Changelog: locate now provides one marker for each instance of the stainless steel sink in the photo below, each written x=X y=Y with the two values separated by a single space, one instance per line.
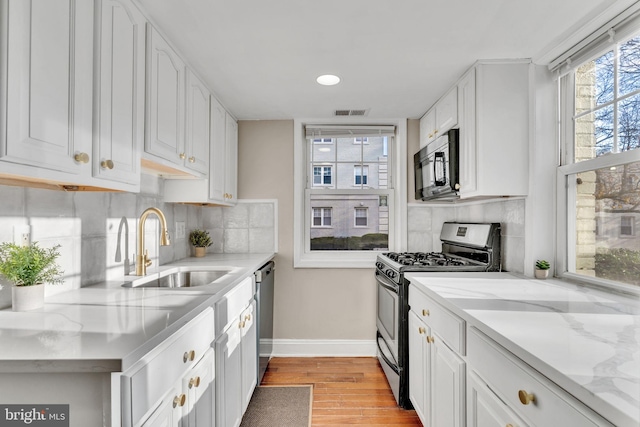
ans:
x=182 y=279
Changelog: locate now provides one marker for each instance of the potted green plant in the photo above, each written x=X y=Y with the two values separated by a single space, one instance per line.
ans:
x=200 y=240
x=542 y=269
x=28 y=268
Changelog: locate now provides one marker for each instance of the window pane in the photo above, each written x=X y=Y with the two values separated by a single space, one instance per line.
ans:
x=609 y=199
x=629 y=74
x=629 y=123
x=594 y=134
x=344 y=235
x=594 y=82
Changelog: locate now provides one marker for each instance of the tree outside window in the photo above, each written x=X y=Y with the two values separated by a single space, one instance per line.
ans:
x=607 y=200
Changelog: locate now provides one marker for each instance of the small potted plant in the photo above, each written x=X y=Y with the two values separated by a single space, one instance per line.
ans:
x=200 y=240
x=28 y=268
x=542 y=269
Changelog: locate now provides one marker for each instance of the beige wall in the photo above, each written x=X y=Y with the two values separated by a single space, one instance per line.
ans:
x=309 y=303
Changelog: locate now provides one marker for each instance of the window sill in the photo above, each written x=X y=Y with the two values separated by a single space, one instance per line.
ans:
x=337 y=259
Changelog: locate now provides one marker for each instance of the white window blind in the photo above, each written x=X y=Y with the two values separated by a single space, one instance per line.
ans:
x=348 y=131
x=619 y=28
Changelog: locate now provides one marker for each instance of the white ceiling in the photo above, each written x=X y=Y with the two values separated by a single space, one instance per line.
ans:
x=395 y=57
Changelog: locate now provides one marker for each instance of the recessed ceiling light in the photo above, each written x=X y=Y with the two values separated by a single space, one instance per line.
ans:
x=328 y=80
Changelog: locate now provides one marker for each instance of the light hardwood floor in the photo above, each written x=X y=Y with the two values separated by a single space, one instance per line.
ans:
x=346 y=391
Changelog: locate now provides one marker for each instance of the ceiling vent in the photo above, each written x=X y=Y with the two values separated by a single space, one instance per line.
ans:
x=351 y=112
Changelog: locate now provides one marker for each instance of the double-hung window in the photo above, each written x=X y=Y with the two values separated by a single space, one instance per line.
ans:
x=348 y=199
x=599 y=191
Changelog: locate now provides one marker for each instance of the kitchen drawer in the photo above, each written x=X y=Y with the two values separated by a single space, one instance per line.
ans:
x=449 y=326
x=509 y=377
x=231 y=305
x=159 y=370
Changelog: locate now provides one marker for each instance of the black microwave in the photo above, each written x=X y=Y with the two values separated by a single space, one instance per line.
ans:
x=437 y=168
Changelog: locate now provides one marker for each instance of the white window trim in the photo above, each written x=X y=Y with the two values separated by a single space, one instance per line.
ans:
x=397 y=195
x=323 y=167
x=323 y=225
x=355 y=217
x=365 y=140
x=364 y=175
x=632 y=226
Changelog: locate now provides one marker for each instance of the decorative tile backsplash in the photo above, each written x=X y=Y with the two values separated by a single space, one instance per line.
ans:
x=425 y=223
x=90 y=226
x=248 y=227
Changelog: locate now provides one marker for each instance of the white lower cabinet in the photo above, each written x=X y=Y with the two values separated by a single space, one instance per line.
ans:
x=485 y=409
x=236 y=349
x=153 y=390
x=436 y=372
x=525 y=392
x=249 y=354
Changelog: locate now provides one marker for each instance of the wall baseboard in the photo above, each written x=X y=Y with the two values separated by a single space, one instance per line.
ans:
x=324 y=348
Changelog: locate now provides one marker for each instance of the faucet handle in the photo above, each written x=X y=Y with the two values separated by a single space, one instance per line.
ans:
x=147 y=261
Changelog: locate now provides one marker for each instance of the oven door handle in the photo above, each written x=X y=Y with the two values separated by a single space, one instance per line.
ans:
x=392 y=365
x=387 y=284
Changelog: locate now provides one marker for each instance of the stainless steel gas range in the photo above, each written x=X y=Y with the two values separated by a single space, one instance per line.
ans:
x=465 y=247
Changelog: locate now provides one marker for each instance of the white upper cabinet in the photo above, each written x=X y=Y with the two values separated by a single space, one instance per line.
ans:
x=119 y=91
x=218 y=152
x=48 y=81
x=440 y=118
x=231 y=163
x=165 y=100
x=493 y=99
x=198 y=129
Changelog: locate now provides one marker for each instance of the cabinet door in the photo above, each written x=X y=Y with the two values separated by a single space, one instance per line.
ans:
x=231 y=164
x=447 y=112
x=249 y=355
x=218 y=154
x=485 y=409
x=49 y=84
x=169 y=413
x=119 y=91
x=419 y=365
x=229 y=378
x=427 y=128
x=165 y=103
x=198 y=129
x=199 y=387
x=468 y=146
x=447 y=385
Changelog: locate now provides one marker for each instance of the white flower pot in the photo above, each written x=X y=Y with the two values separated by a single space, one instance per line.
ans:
x=27 y=298
x=541 y=274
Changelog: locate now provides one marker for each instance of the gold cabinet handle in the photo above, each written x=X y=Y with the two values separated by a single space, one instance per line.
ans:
x=509 y=425
x=430 y=339
x=435 y=132
x=81 y=158
x=183 y=156
x=107 y=164
x=526 y=398
x=194 y=382
x=421 y=330
x=192 y=159
x=247 y=317
x=179 y=400
x=242 y=324
x=189 y=356
x=425 y=312
x=430 y=135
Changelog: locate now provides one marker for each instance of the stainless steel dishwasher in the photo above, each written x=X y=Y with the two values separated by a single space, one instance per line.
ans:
x=264 y=303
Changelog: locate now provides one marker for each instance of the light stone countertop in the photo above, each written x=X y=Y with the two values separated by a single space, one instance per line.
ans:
x=107 y=327
x=585 y=340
